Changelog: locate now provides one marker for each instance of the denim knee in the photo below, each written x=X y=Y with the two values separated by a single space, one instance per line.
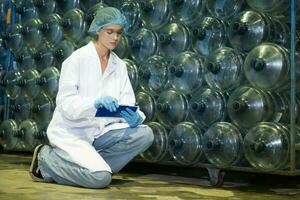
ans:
x=100 y=180
x=148 y=136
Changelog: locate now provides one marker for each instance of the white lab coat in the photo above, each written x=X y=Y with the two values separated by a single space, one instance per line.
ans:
x=74 y=126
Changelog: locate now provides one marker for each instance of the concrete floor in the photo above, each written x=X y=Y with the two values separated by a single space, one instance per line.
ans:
x=143 y=181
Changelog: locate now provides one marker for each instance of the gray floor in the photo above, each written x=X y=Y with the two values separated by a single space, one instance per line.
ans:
x=140 y=181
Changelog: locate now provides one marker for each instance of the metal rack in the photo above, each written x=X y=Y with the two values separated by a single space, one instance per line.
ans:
x=216 y=174
x=6 y=61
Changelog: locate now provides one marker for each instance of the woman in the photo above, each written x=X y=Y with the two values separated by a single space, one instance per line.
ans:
x=85 y=150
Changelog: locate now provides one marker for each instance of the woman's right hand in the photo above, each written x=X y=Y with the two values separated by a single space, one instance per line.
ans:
x=107 y=102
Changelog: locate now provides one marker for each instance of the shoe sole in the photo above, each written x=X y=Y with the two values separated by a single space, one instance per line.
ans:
x=34 y=160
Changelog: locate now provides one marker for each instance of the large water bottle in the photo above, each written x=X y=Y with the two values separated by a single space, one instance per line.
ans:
x=9 y=83
x=43 y=56
x=186 y=72
x=22 y=108
x=281 y=34
x=250 y=28
x=225 y=9
x=267 y=146
x=13 y=37
x=208 y=106
x=45 y=8
x=74 y=24
x=223 y=144
x=188 y=12
x=65 y=5
x=267 y=66
x=28 y=83
x=123 y=49
x=185 y=143
x=62 y=51
x=224 y=69
x=32 y=134
x=23 y=137
x=171 y=108
x=159 y=149
x=133 y=74
x=85 y=5
x=48 y=81
x=8 y=131
x=153 y=73
x=280 y=8
x=173 y=38
x=32 y=33
x=144 y=43
x=132 y=11
x=283 y=107
x=42 y=110
x=155 y=13
x=147 y=104
x=24 y=58
x=208 y=35
x=26 y=9
x=248 y=106
x=52 y=29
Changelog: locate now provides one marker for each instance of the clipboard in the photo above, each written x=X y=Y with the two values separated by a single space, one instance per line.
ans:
x=103 y=112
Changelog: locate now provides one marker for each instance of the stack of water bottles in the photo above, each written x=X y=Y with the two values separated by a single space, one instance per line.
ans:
x=212 y=76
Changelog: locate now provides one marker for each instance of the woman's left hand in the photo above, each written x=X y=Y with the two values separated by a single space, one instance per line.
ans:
x=131 y=117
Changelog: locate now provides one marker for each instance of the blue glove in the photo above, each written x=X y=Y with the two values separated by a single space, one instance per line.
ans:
x=131 y=117
x=107 y=102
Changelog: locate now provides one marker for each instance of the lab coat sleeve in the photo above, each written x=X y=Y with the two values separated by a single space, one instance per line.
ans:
x=127 y=96
x=73 y=106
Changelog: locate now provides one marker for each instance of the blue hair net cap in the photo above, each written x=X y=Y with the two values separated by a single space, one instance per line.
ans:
x=107 y=16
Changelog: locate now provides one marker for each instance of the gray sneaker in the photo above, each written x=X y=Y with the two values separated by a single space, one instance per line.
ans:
x=34 y=171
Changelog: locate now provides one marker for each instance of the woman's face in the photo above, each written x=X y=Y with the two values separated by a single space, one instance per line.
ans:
x=110 y=35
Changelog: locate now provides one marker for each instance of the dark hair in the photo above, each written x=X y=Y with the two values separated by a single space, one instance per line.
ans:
x=94 y=37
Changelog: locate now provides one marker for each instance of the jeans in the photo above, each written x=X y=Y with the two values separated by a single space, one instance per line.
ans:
x=117 y=147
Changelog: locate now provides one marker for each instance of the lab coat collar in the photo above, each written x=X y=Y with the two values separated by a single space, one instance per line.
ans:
x=112 y=61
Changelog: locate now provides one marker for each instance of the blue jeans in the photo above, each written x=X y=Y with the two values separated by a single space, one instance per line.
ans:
x=117 y=147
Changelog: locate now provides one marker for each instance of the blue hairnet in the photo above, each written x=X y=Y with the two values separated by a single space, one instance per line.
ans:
x=107 y=16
